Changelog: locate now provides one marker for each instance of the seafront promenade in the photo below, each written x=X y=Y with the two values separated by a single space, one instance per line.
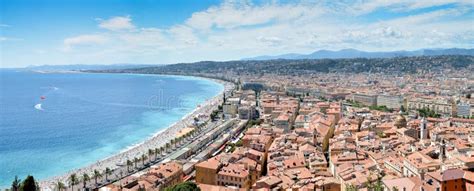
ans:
x=119 y=164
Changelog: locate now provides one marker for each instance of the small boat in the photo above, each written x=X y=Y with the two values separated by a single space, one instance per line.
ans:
x=42 y=97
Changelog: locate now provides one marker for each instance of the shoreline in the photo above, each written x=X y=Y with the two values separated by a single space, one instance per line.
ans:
x=157 y=139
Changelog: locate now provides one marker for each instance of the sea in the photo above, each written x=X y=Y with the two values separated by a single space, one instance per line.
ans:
x=51 y=123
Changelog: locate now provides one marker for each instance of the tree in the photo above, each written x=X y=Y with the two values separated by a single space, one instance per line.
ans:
x=96 y=175
x=176 y=142
x=162 y=150
x=157 y=152
x=402 y=109
x=136 y=160
x=143 y=159
x=29 y=184
x=378 y=186
x=60 y=186
x=172 y=142
x=16 y=184
x=151 y=152
x=107 y=173
x=185 y=186
x=167 y=146
x=73 y=181
x=351 y=187
x=129 y=164
x=85 y=179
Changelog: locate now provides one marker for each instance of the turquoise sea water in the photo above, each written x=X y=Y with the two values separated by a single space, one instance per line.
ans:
x=85 y=117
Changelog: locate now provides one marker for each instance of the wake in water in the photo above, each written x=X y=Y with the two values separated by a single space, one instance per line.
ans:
x=38 y=107
x=43 y=97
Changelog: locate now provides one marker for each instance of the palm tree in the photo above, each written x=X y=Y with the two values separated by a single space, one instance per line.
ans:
x=16 y=184
x=136 y=160
x=129 y=163
x=60 y=186
x=85 y=178
x=73 y=181
x=96 y=175
x=162 y=149
x=143 y=159
x=151 y=152
x=172 y=141
x=107 y=173
x=186 y=136
x=176 y=142
x=168 y=145
x=157 y=152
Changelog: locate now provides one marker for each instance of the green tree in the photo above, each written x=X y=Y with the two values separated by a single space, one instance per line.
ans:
x=350 y=187
x=73 y=181
x=185 y=186
x=157 y=152
x=96 y=175
x=129 y=164
x=107 y=173
x=85 y=179
x=16 y=184
x=151 y=152
x=143 y=159
x=29 y=184
x=60 y=186
x=136 y=160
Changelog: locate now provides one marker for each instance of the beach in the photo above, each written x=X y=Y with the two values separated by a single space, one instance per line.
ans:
x=159 y=139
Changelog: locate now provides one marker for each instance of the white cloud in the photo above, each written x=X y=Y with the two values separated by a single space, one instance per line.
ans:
x=84 y=40
x=236 y=30
x=116 y=23
x=232 y=15
x=3 y=39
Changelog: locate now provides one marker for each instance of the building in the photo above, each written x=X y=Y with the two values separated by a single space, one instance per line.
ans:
x=247 y=112
x=464 y=109
x=282 y=122
x=452 y=179
x=443 y=106
x=230 y=109
x=169 y=174
x=391 y=101
x=206 y=171
x=234 y=175
x=366 y=99
x=418 y=164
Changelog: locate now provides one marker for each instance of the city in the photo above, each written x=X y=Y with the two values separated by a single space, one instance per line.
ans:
x=237 y=95
x=333 y=131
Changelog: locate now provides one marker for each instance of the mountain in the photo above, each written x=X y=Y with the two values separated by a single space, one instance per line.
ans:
x=78 y=67
x=353 y=53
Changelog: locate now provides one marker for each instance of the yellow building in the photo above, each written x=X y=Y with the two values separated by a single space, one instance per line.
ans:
x=206 y=171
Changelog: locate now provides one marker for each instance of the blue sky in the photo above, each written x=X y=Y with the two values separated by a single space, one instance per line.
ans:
x=38 y=32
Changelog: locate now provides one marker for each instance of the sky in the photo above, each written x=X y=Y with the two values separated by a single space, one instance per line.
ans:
x=61 y=32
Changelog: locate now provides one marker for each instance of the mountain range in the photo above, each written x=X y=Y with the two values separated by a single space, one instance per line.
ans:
x=353 y=53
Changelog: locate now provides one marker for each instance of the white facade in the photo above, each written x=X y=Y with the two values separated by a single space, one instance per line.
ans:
x=464 y=110
x=391 y=101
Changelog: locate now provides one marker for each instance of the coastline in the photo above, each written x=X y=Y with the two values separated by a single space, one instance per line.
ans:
x=158 y=139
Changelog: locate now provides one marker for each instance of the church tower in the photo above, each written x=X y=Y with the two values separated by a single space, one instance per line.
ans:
x=423 y=129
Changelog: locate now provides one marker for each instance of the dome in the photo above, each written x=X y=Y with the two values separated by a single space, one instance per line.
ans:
x=400 y=121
